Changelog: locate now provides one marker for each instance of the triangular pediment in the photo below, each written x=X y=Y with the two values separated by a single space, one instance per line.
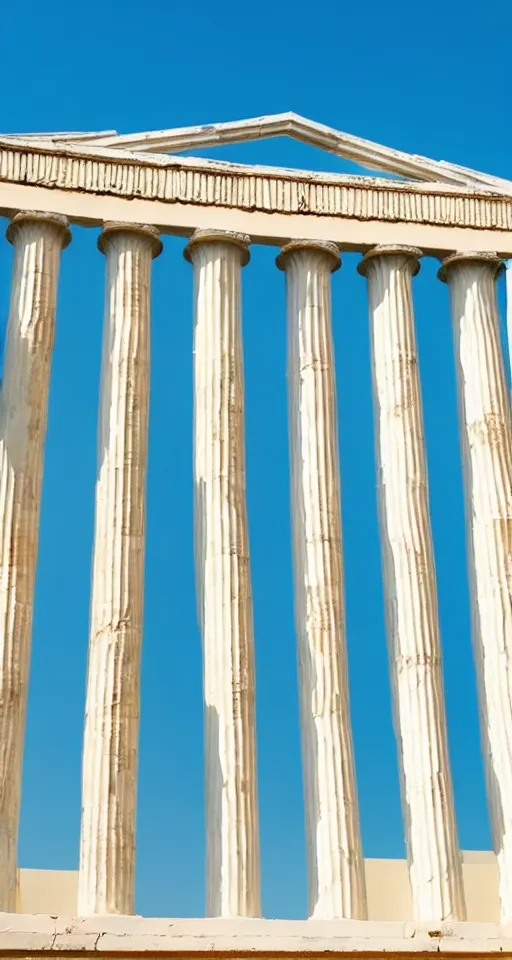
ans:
x=371 y=156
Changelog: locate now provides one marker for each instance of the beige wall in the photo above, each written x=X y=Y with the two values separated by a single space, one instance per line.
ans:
x=389 y=896
x=48 y=891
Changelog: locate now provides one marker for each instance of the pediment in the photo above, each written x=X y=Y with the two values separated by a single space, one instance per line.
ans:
x=366 y=154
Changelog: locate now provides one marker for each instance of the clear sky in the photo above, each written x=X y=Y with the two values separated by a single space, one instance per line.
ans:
x=425 y=78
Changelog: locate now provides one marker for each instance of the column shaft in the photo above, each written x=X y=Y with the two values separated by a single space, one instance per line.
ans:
x=486 y=440
x=38 y=240
x=335 y=863
x=107 y=848
x=223 y=577
x=412 y=618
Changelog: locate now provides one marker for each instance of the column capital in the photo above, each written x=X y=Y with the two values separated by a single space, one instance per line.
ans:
x=204 y=235
x=111 y=227
x=389 y=250
x=485 y=259
x=321 y=246
x=37 y=216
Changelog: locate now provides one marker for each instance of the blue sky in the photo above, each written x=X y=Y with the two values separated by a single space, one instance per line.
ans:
x=427 y=79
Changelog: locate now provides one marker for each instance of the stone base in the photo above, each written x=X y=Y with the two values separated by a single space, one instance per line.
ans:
x=25 y=935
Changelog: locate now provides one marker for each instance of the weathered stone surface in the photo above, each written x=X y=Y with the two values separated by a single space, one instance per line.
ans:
x=38 y=240
x=412 y=618
x=107 y=849
x=335 y=863
x=126 y=936
x=486 y=439
x=223 y=577
x=92 y=170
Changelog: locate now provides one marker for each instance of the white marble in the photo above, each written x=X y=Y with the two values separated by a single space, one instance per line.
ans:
x=109 y=779
x=412 y=618
x=223 y=577
x=372 y=156
x=486 y=440
x=43 y=935
x=38 y=240
x=335 y=864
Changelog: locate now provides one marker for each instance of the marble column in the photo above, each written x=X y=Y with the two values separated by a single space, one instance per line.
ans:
x=412 y=619
x=486 y=440
x=335 y=862
x=109 y=779
x=223 y=576
x=38 y=240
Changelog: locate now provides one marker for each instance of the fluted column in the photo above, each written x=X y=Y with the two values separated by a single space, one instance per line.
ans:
x=335 y=862
x=109 y=779
x=38 y=240
x=410 y=590
x=486 y=440
x=223 y=576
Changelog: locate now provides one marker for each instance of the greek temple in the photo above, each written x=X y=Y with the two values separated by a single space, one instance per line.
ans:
x=138 y=189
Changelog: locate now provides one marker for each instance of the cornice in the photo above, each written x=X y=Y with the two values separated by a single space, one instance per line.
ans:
x=91 y=170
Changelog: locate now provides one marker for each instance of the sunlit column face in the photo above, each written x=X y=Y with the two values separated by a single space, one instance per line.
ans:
x=335 y=865
x=223 y=577
x=486 y=441
x=109 y=780
x=410 y=590
x=38 y=240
